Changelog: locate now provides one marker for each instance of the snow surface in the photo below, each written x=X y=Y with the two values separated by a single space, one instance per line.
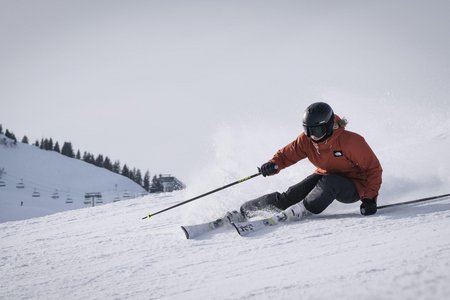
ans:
x=108 y=252
x=49 y=173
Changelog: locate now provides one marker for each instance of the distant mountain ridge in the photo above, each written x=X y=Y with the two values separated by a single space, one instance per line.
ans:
x=100 y=160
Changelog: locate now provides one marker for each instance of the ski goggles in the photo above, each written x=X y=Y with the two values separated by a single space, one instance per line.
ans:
x=317 y=132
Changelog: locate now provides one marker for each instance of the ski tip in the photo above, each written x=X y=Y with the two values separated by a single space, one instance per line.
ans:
x=185 y=232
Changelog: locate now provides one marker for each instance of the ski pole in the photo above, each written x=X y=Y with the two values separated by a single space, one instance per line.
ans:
x=203 y=195
x=414 y=201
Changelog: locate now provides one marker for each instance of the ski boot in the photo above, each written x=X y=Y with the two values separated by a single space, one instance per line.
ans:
x=293 y=213
x=235 y=217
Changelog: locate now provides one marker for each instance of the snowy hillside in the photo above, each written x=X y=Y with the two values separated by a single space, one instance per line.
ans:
x=36 y=182
x=108 y=252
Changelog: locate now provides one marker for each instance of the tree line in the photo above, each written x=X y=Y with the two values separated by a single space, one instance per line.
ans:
x=100 y=161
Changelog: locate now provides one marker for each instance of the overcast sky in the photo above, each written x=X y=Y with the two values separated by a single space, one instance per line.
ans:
x=150 y=83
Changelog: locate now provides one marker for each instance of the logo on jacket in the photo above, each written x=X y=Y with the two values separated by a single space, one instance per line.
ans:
x=338 y=153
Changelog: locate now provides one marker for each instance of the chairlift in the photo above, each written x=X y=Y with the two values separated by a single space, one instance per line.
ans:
x=69 y=199
x=55 y=195
x=116 y=198
x=126 y=195
x=2 y=183
x=99 y=200
x=35 y=194
x=87 y=201
x=20 y=184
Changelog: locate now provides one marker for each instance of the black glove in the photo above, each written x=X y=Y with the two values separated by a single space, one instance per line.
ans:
x=269 y=168
x=368 y=207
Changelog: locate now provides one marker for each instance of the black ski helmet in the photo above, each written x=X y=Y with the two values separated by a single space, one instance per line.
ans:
x=318 y=121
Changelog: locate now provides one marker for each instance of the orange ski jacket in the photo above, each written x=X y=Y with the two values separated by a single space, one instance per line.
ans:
x=344 y=153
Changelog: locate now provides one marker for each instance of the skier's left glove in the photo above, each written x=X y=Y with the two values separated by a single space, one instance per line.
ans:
x=368 y=207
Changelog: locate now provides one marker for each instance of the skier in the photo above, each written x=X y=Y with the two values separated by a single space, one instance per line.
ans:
x=347 y=169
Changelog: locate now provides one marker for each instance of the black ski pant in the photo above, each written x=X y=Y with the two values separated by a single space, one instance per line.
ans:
x=316 y=191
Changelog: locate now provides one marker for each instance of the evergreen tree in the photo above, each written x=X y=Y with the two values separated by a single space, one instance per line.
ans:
x=1 y=129
x=42 y=143
x=138 y=177
x=90 y=158
x=116 y=167
x=67 y=150
x=99 y=161
x=107 y=164
x=36 y=143
x=125 y=171
x=10 y=135
x=25 y=139
x=132 y=174
x=78 y=156
x=50 y=144
x=56 y=148
x=147 y=181
x=45 y=144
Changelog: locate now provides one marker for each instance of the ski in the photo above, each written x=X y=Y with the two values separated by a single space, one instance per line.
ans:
x=193 y=231
x=246 y=228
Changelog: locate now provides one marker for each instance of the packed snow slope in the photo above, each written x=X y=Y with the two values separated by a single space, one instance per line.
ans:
x=109 y=252
x=36 y=182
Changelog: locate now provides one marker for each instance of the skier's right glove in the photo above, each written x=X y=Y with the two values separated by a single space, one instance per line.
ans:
x=269 y=168
x=368 y=207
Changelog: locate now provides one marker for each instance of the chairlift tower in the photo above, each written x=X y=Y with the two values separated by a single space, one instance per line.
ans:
x=92 y=198
x=2 y=182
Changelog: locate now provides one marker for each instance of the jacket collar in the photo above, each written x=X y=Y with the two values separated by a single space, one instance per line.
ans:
x=329 y=141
